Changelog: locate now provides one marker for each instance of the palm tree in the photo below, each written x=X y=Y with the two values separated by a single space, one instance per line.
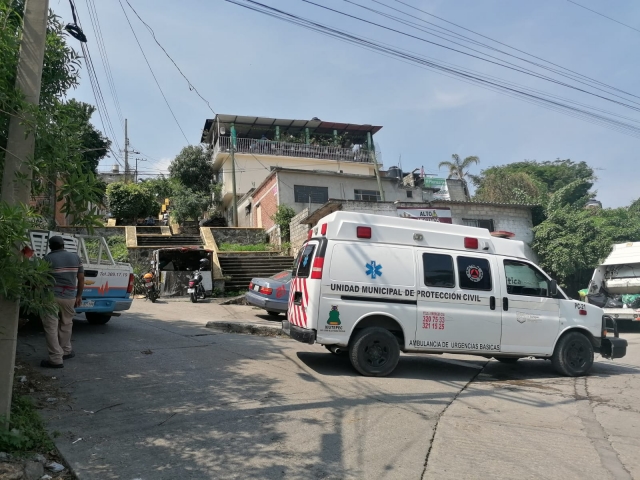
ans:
x=459 y=169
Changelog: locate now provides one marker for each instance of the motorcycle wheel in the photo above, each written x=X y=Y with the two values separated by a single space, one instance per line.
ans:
x=194 y=298
x=153 y=297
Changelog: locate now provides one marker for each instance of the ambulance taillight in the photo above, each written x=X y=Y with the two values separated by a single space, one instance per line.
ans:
x=471 y=243
x=310 y=234
x=363 y=232
x=316 y=269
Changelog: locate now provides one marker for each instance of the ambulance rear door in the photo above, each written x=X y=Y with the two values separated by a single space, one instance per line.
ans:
x=306 y=278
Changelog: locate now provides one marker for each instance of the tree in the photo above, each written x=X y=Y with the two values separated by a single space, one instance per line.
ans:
x=192 y=167
x=572 y=240
x=130 y=201
x=459 y=169
x=282 y=218
x=509 y=187
x=188 y=204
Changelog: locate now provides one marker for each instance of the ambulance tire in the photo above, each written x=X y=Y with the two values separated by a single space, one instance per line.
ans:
x=97 y=318
x=573 y=356
x=374 y=352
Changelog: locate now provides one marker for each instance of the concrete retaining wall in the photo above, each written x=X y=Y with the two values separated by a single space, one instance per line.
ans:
x=241 y=236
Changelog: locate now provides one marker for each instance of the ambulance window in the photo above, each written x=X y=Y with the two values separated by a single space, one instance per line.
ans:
x=525 y=279
x=474 y=273
x=303 y=266
x=438 y=270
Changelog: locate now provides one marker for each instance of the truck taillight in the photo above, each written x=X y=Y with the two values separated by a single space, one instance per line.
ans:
x=316 y=269
x=130 y=286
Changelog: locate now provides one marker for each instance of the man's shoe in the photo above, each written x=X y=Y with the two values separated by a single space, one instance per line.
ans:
x=69 y=355
x=48 y=364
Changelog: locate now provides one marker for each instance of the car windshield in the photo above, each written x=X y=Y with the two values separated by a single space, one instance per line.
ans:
x=282 y=276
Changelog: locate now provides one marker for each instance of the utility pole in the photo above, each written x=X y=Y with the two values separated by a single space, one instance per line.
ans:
x=372 y=153
x=136 y=171
x=126 y=153
x=233 y=175
x=16 y=179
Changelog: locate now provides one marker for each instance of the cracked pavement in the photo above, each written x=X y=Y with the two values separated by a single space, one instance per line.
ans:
x=173 y=399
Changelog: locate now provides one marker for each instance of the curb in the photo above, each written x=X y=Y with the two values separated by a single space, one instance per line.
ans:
x=248 y=328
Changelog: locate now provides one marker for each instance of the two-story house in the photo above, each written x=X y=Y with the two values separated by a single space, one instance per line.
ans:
x=263 y=143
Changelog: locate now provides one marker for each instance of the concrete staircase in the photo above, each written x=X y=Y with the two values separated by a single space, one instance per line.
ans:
x=242 y=267
x=168 y=241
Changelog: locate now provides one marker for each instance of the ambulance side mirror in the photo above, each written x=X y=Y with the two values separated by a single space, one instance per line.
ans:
x=553 y=288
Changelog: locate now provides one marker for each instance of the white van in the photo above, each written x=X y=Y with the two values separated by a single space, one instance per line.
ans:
x=377 y=285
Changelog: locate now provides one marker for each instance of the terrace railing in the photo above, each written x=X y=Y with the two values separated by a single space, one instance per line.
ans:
x=286 y=149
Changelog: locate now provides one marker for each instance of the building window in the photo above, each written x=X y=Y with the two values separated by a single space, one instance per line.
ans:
x=306 y=194
x=367 y=195
x=409 y=193
x=488 y=224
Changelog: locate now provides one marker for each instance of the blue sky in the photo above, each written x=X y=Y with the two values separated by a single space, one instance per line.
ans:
x=248 y=64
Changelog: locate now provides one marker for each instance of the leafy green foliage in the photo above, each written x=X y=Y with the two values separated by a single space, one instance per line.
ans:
x=501 y=186
x=161 y=187
x=20 y=278
x=192 y=167
x=459 y=168
x=282 y=218
x=573 y=240
x=26 y=431
x=130 y=201
x=188 y=204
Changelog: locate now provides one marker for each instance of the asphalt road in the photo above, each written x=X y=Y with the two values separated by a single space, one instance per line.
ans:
x=156 y=395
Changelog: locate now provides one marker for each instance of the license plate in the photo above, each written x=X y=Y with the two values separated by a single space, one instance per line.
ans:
x=191 y=290
x=87 y=304
x=256 y=288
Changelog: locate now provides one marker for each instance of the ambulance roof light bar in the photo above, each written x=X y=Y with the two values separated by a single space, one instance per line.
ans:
x=323 y=229
x=363 y=232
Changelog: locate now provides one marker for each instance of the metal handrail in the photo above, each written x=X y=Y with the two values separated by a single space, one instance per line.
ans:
x=271 y=147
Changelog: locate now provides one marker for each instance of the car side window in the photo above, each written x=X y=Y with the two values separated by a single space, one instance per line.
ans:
x=524 y=279
x=303 y=265
x=438 y=270
x=474 y=273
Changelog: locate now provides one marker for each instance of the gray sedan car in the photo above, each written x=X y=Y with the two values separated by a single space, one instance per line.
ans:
x=271 y=293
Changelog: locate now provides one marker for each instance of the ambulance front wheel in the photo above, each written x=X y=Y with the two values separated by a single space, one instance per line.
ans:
x=573 y=356
x=374 y=352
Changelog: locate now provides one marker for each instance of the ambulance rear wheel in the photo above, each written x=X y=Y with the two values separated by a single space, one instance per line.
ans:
x=374 y=352
x=573 y=356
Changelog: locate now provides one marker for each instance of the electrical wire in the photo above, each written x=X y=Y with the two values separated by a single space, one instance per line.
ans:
x=191 y=87
x=603 y=15
x=151 y=70
x=498 y=61
x=95 y=24
x=439 y=67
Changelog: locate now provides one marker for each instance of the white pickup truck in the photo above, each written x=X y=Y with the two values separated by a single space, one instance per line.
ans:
x=615 y=285
x=107 y=284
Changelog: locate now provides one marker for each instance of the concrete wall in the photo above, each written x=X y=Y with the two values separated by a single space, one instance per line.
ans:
x=456 y=190
x=245 y=219
x=298 y=231
x=250 y=172
x=242 y=236
x=101 y=231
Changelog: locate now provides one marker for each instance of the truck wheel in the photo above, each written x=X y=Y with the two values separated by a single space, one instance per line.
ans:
x=374 y=352
x=507 y=359
x=97 y=318
x=573 y=356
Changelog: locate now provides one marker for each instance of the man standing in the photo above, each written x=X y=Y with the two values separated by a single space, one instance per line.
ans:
x=67 y=269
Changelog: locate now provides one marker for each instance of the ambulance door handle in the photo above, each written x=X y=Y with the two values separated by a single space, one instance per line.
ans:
x=505 y=303
x=492 y=302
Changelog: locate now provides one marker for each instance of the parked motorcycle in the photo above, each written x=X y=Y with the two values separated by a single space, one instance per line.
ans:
x=196 y=288
x=150 y=290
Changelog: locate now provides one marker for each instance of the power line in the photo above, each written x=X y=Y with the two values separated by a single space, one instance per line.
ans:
x=191 y=87
x=575 y=76
x=95 y=24
x=603 y=15
x=499 y=61
x=151 y=70
x=407 y=57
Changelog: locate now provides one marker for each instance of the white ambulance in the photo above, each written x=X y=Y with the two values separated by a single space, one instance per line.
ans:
x=375 y=286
